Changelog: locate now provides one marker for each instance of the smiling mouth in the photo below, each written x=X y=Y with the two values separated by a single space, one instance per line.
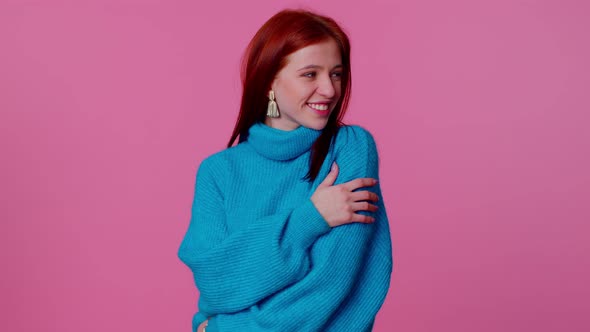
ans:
x=320 y=109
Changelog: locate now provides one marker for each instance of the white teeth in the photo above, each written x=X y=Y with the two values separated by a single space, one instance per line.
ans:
x=319 y=107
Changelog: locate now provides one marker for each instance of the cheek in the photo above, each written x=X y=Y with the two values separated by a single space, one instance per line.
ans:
x=338 y=87
x=299 y=92
x=291 y=92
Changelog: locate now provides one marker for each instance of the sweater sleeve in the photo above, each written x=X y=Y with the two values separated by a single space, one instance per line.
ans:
x=234 y=271
x=351 y=265
x=376 y=272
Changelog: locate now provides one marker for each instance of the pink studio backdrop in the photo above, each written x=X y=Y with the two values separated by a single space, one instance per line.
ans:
x=479 y=109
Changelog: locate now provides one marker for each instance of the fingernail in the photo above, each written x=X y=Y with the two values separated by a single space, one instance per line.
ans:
x=333 y=166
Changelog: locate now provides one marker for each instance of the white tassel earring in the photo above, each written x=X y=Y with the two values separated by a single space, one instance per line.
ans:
x=272 y=111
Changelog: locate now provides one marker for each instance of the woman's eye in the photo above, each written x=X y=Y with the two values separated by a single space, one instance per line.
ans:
x=337 y=75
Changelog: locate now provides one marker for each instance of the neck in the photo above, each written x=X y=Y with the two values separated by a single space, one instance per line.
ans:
x=278 y=144
x=276 y=123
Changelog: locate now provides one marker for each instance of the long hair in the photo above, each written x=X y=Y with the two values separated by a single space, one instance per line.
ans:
x=283 y=34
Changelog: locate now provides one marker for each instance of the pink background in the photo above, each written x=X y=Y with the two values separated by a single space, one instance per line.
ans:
x=479 y=108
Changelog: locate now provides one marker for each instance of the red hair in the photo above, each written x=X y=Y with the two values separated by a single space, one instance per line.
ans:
x=283 y=34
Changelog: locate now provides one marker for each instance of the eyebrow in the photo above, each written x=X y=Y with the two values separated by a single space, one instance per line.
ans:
x=317 y=67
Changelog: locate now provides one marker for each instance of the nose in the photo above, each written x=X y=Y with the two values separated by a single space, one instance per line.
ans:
x=326 y=87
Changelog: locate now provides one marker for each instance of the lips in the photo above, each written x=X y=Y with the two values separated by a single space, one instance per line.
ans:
x=320 y=109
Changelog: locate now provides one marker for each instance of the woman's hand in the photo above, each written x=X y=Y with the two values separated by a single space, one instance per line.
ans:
x=338 y=204
x=202 y=326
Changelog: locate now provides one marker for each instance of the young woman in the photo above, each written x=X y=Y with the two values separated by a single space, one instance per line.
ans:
x=288 y=229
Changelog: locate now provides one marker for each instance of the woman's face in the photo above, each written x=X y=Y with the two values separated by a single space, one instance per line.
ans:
x=308 y=87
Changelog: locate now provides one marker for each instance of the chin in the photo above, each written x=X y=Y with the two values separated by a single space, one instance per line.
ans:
x=317 y=125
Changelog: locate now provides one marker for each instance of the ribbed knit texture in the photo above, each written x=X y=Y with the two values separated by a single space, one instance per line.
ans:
x=262 y=256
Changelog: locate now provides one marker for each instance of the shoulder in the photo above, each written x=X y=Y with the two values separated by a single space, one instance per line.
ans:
x=216 y=167
x=224 y=158
x=355 y=150
x=356 y=138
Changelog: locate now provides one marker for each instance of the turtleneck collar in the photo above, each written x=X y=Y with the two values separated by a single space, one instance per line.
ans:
x=280 y=144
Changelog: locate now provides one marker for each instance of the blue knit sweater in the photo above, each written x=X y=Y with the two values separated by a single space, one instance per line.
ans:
x=262 y=256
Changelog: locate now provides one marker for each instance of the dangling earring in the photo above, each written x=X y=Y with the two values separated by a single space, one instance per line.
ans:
x=272 y=111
